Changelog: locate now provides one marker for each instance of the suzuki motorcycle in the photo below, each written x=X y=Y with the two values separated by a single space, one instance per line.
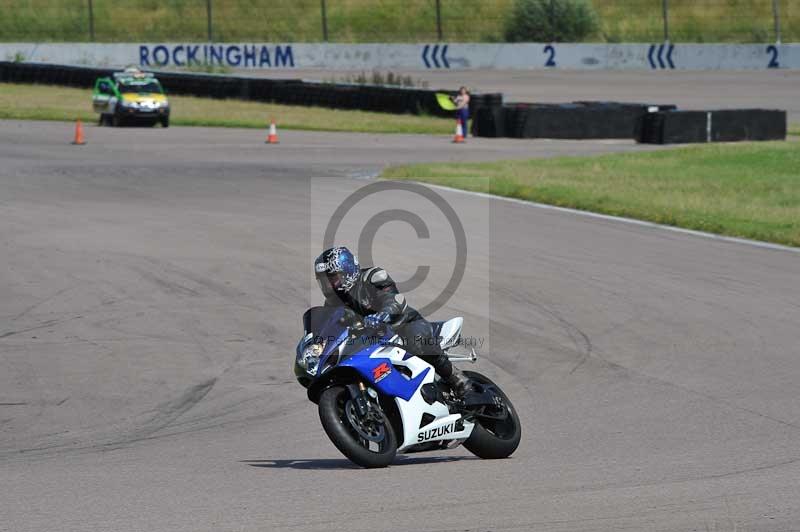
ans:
x=376 y=397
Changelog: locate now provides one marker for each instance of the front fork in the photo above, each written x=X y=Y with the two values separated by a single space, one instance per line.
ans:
x=358 y=393
x=361 y=395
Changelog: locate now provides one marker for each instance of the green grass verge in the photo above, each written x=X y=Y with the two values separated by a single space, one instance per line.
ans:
x=794 y=129
x=749 y=190
x=40 y=102
x=377 y=20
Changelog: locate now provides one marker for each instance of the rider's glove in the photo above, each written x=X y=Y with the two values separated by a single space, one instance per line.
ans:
x=375 y=320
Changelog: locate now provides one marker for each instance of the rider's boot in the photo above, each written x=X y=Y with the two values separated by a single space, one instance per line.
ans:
x=452 y=376
x=458 y=382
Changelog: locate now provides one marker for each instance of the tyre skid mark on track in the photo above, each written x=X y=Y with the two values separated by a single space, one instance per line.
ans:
x=44 y=325
x=168 y=412
x=682 y=480
x=90 y=447
x=590 y=352
x=633 y=372
x=263 y=416
x=580 y=340
x=40 y=303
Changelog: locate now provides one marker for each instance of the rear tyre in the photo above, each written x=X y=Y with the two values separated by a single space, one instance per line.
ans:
x=116 y=120
x=494 y=438
x=349 y=435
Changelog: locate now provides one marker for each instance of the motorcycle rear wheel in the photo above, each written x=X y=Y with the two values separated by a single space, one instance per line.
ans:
x=494 y=438
x=349 y=439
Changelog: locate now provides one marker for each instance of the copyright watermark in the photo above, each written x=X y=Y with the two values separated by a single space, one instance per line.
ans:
x=366 y=239
x=435 y=245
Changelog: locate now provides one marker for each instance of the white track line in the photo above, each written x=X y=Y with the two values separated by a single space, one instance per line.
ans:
x=588 y=214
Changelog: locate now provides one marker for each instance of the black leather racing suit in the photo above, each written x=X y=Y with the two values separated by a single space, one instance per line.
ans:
x=375 y=292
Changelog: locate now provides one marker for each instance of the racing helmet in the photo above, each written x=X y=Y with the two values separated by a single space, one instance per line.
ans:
x=336 y=271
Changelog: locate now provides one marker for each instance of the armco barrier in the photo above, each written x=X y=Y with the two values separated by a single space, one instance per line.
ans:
x=679 y=127
x=284 y=91
x=656 y=56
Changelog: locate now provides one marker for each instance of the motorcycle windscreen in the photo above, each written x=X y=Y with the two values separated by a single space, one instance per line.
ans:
x=323 y=321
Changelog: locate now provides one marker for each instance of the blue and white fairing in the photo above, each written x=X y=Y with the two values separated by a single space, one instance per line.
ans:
x=385 y=368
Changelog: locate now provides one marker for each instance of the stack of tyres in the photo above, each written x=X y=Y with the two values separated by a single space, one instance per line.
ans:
x=621 y=119
x=424 y=102
x=260 y=90
x=296 y=94
x=748 y=124
x=235 y=88
x=406 y=100
x=489 y=122
x=477 y=101
x=397 y=100
x=64 y=76
x=314 y=94
x=681 y=127
x=244 y=87
x=292 y=94
x=25 y=74
x=347 y=97
x=494 y=99
x=515 y=117
x=365 y=98
x=333 y=97
x=731 y=125
x=577 y=121
x=281 y=91
x=488 y=116
x=216 y=87
x=379 y=99
x=59 y=76
x=652 y=128
x=554 y=122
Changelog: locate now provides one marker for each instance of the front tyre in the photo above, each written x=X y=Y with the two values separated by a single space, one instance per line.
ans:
x=368 y=443
x=497 y=428
x=164 y=121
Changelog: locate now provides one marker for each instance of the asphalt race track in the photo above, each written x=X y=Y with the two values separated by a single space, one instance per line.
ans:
x=151 y=289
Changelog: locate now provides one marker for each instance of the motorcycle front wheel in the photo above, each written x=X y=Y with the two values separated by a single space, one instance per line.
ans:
x=367 y=442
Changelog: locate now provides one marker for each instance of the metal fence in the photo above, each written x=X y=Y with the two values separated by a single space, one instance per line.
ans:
x=384 y=20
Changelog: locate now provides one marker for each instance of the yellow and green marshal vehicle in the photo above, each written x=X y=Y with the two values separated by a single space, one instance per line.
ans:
x=130 y=96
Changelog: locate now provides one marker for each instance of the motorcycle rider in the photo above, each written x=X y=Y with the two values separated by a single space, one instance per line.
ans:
x=371 y=293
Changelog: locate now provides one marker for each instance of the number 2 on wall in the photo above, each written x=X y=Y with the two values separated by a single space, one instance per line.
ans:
x=551 y=59
x=773 y=62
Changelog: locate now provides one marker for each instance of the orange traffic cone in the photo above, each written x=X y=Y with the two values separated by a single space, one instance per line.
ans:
x=79 y=140
x=272 y=138
x=459 y=138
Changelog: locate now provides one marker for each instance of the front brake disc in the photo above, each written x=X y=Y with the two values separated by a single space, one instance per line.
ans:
x=368 y=429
